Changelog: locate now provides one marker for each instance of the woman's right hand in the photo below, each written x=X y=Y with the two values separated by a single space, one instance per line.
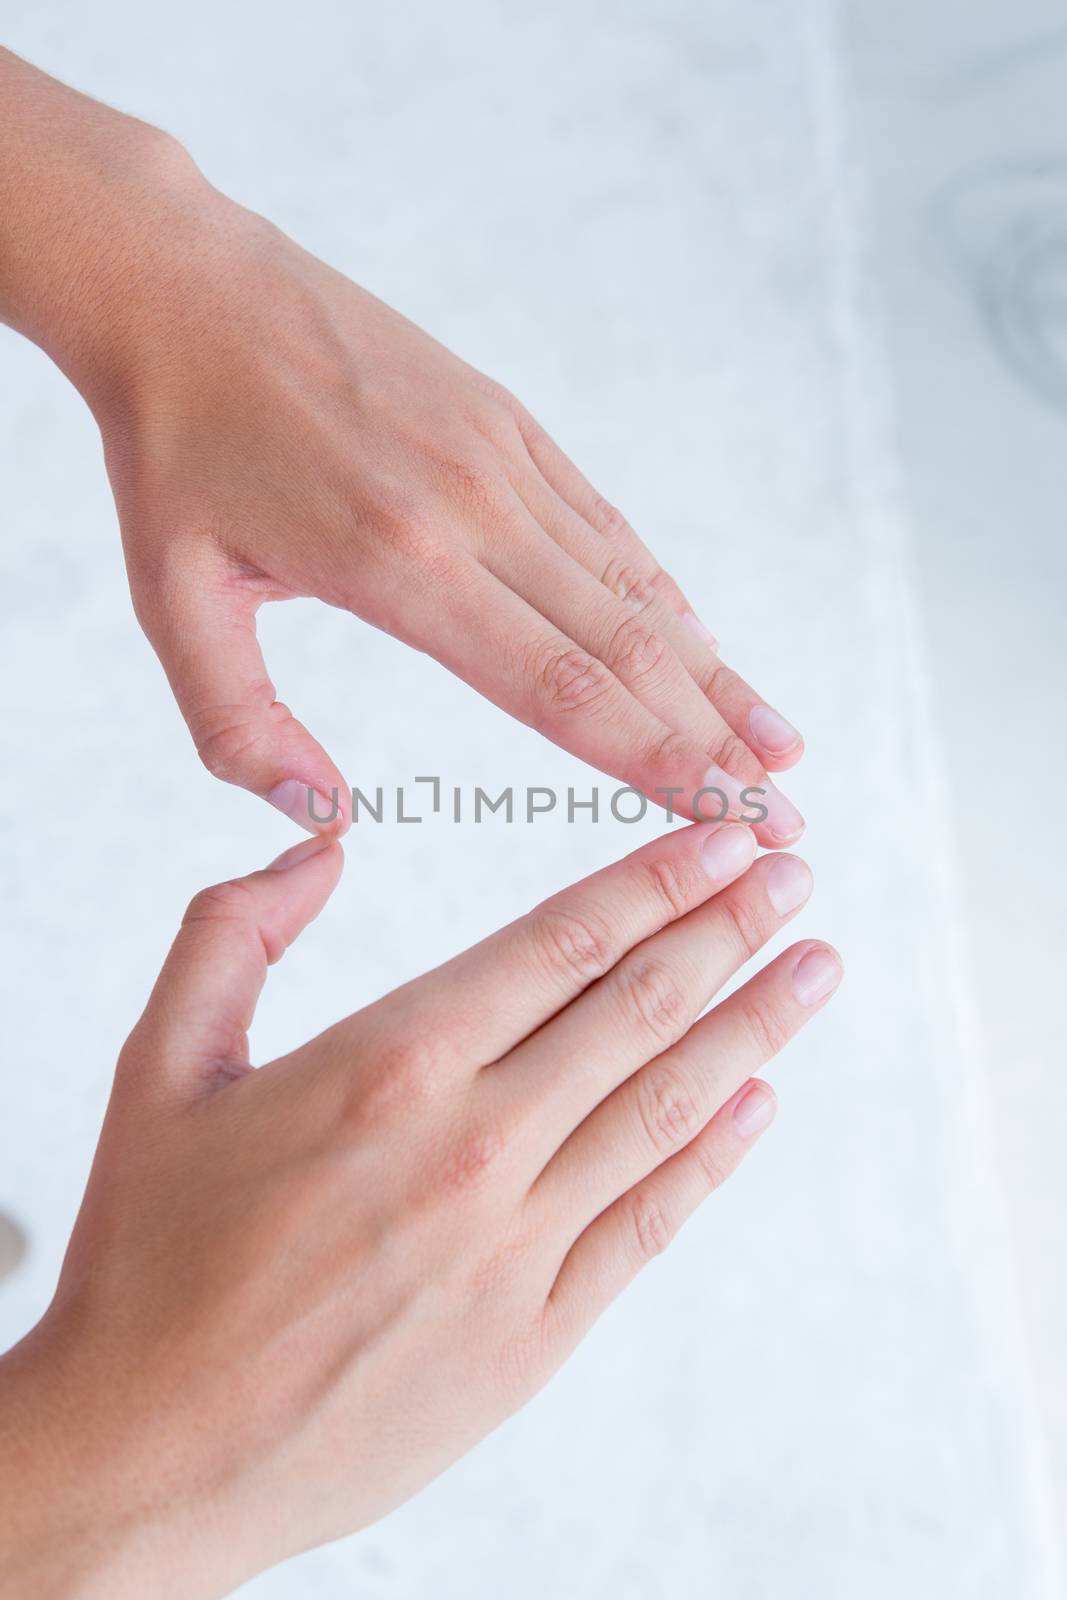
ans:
x=272 y=430
x=296 y=1294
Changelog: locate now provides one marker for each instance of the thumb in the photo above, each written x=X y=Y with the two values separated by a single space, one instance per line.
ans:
x=196 y=1023
x=205 y=637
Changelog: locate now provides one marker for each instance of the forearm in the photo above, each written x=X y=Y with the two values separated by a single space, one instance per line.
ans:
x=87 y=1511
x=86 y=196
x=46 y=1541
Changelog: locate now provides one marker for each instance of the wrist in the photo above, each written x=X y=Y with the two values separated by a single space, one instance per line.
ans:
x=105 y=1492
x=88 y=200
x=47 y=1548
x=65 y=1531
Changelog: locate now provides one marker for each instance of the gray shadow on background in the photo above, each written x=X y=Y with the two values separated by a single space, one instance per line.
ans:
x=1005 y=231
x=12 y=1245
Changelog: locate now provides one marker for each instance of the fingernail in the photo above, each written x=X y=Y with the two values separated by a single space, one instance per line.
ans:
x=691 y=620
x=727 y=852
x=784 y=822
x=755 y=1110
x=720 y=797
x=772 y=731
x=789 y=883
x=303 y=804
x=816 y=975
x=723 y=795
x=300 y=852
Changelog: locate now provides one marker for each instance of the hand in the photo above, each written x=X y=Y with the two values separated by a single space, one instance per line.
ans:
x=273 y=430
x=294 y=1295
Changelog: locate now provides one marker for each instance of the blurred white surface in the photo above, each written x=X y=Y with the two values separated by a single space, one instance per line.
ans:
x=705 y=241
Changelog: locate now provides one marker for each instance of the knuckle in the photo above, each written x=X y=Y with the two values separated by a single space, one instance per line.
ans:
x=675 y=884
x=608 y=519
x=715 y=1171
x=497 y=416
x=733 y=756
x=665 y=586
x=409 y=1070
x=474 y=1157
x=572 y=944
x=720 y=683
x=635 y=651
x=569 y=680
x=224 y=751
x=744 y=923
x=409 y=532
x=668 y=1112
x=468 y=483
x=401 y=1083
x=668 y=755
x=497 y=393
x=233 y=903
x=222 y=902
x=765 y=1024
x=624 y=581
x=651 y=1226
x=653 y=996
x=225 y=735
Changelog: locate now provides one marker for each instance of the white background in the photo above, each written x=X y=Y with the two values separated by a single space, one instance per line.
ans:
x=766 y=271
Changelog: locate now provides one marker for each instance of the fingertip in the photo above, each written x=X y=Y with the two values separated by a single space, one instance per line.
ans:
x=783 y=825
x=726 y=851
x=704 y=634
x=789 y=883
x=777 y=761
x=293 y=888
x=774 y=735
x=306 y=850
x=817 y=972
x=754 y=1108
x=326 y=815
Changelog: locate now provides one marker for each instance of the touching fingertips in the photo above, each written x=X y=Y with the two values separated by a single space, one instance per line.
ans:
x=705 y=635
x=727 y=852
x=817 y=974
x=789 y=883
x=771 y=731
x=755 y=1110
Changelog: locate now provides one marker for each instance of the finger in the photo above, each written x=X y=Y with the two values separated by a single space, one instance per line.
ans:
x=763 y=729
x=639 y=1225
x=511 y=983
x=505 y=649
x=205 y=636
x=628 y=568
x=602 y=540
x=196 y=1023
x=630 y=635
x=664 y=1106
x=643 y=1006
x=575 y=490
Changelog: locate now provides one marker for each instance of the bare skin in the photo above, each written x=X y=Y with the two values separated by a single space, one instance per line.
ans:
x=271 y=429
x=296 y=1294
x=281 y=1280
